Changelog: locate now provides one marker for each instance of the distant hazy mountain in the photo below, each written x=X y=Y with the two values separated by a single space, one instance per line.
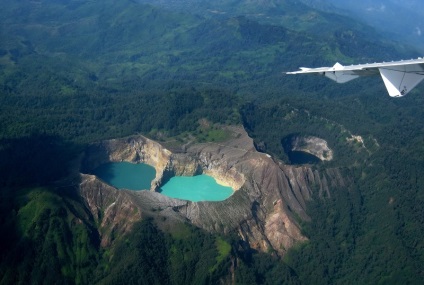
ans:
x=397 y=20
x=315 y=17
x=400 y=20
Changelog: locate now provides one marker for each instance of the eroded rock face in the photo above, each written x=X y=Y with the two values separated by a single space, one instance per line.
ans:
x=265 y=209
x=113 y=210
x=133 y=149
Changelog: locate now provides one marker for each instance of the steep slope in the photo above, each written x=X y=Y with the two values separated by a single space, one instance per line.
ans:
x=54 y=240
x=268 y=204
x=50 y=234
x=353 y=230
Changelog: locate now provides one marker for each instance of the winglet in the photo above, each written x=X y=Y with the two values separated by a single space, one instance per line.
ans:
x=338 y=75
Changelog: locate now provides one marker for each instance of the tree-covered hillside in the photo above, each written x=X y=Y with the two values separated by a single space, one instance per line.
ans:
x=371 y=233
x=115 y=42
x=74 y=72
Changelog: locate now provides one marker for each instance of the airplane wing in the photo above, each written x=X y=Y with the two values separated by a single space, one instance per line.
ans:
x=400 y=77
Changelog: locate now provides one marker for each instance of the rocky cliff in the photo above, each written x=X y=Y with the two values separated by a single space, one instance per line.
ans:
x=312 y=145
x=268 y=202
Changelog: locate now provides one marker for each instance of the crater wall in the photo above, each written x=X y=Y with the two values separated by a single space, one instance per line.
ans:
x=265 y=210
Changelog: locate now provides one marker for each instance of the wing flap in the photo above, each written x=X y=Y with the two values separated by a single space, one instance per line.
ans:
x=401 y=80
x=340 y=76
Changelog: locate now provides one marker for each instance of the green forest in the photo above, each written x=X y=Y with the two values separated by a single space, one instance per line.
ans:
x=77 y=72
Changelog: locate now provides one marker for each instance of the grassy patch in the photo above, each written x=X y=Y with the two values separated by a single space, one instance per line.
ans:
x=33 y=202
x=224 y=249
x=217 y=135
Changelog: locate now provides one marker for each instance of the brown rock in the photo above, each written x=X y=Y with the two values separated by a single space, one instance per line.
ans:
x=265 y=209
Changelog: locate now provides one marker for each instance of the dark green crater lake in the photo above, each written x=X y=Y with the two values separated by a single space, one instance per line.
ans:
x=125 y=175
x=301 y=157
x=297 y=157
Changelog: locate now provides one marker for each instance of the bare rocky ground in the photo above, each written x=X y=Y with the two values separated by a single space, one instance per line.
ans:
x=265 y=210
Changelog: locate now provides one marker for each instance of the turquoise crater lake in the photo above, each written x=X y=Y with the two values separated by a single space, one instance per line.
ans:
x=196 y=188
x=131 y=176
x=126 y=175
